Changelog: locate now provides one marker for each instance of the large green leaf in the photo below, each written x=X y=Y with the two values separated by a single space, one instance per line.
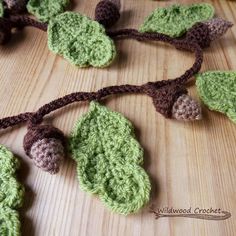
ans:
x=217 y=90
x=11 y=194
x=176 y=19
x=109 y=159
x=80 y=40
x=45 y=10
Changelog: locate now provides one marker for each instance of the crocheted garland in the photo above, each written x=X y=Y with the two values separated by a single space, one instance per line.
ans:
x=11 y=194
x=177 y=19
x=217 y=90
x=104 y=167
x=108 y=158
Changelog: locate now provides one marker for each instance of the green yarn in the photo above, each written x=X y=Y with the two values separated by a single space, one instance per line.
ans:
x=176 y=19
x=45 y=10
x=80 y=40
x=11 y=194
x=217 y=90
x=109 y=159
x=1 y=8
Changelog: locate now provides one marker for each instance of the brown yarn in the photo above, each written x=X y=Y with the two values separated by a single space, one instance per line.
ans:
x=107 y=13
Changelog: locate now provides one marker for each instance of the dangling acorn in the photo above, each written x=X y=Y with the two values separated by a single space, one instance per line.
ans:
x=107 y=12
x=172 y=101
x=45 y=145
x=203 y=33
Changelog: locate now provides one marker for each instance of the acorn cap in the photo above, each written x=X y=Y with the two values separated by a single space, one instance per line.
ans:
x=217 y=27
x=107 y=12
x=45 y=145
x=200 y=34
x=186 y=109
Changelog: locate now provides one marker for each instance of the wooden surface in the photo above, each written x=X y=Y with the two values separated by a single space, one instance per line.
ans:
x=190 y=164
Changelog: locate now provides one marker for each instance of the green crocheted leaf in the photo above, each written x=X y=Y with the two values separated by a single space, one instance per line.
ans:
x=176 y=19
x=109 y=159
x=80 y=40
x=217 y=90
x=9 y=222
x=11 y=194
x=45 y=10
x=1 y=8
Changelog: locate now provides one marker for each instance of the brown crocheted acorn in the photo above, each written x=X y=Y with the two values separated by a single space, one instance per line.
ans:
x=204 y=33
x=45 y=145
x=107 y=12
x=172 y=101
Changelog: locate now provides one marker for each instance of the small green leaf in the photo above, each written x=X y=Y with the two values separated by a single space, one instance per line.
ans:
x=109 y=159
x=217 y=90
x=11 y=194
x=1 y=8
x=45 y=10
x=176 y=19
x=80 y=40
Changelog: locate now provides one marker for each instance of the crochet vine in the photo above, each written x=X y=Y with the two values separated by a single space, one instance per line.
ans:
x=103 y=144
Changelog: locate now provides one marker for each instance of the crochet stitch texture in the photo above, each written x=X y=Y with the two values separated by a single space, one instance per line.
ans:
x=80 y=40
x=11 y=194
x=45 y=10
x=217 y=90
x=109 y=159
x=176 y=19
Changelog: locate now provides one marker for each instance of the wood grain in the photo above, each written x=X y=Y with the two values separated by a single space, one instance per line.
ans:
x=190 y=164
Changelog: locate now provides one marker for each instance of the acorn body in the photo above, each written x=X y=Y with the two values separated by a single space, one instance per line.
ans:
x=217 y=27
x=186 y=109
x=45 y=145
x=107 y=12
